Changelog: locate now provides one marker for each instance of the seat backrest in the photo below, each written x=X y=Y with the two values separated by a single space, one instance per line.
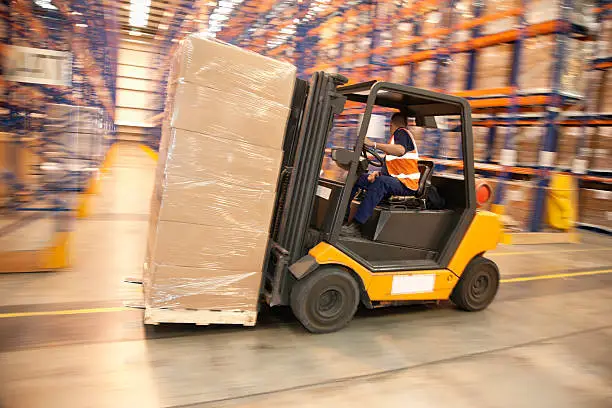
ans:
x=426 y=170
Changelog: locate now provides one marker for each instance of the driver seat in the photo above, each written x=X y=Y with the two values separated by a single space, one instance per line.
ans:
x=419 y=200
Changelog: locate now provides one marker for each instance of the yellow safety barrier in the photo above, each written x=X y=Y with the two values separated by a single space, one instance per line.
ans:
x=562 y=203
x=152 y=153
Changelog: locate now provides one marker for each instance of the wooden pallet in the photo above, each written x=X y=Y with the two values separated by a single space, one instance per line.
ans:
x=199 y=317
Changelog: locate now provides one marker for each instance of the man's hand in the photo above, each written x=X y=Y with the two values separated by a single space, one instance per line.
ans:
x=368 y=142
x=372 y=176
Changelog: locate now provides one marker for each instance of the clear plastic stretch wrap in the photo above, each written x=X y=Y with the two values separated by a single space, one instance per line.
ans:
x=494 y=66
x=538 y=65
x=220 y=157
x=495 y=7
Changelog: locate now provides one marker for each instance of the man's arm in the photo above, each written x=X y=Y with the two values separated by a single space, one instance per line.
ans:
x=392 y=149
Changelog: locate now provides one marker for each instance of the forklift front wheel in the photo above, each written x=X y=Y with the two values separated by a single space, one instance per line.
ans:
x=325 y=300
x=477 y=286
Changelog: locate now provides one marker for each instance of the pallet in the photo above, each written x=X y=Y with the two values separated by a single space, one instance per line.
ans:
x=199 y=317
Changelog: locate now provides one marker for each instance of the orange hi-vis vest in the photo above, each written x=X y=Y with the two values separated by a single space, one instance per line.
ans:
x=406 y=167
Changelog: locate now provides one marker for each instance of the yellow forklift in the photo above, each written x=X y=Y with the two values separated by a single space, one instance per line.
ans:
x=409 y=252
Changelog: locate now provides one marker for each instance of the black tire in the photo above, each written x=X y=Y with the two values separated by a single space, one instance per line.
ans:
x=325 y=300
x=477 y=286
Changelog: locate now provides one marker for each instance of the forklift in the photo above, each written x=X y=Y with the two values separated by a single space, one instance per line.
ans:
x=408 y=252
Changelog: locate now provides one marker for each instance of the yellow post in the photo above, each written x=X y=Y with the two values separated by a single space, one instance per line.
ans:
x=562 y=202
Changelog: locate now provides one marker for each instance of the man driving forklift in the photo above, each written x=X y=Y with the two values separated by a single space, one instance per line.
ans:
x=399 y=175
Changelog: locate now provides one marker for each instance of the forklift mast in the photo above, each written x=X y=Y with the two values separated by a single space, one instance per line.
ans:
x=312 y=113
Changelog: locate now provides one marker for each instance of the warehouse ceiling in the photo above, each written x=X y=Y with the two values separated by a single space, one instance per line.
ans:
x=261 y=23
x=159 y=13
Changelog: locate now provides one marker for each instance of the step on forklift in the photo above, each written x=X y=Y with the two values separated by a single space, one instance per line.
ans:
x=408 y=252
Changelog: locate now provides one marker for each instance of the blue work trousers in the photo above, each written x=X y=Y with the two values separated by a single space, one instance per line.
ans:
x=383 y=186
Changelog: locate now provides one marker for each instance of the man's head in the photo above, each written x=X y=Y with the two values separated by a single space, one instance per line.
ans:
x=398 y=120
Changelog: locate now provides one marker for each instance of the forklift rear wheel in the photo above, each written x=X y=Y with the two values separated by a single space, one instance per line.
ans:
x=478 y=285
x=325 y=300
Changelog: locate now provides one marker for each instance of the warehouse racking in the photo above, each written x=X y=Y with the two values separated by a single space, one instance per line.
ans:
x=520 y=63
x=447 y=38
x=54 y=135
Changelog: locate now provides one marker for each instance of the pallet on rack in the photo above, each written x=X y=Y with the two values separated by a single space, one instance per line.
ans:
x=156 y=316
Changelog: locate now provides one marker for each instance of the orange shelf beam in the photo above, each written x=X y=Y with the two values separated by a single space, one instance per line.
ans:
x=484 y=92
x=517 y=11
x=505 y=102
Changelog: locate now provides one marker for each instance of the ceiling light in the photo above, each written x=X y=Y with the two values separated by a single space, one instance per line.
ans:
x=219 y=17
x=139 y=12
x=46 y=4
x=82 y=25
x=76 y=13
x=135 y=33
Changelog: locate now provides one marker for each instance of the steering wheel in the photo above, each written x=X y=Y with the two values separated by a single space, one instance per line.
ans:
x=377 y=161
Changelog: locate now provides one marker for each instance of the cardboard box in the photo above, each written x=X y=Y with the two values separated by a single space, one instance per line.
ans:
x=494 y=66
x=451 y=145
x=239 y=115
x=567 y=143
x=217 y=249
x=480 y=135
x=596 y=207
x=463 y=13
x=527 y=144
x=210 y=63
x=601 y=149
x=518 y=204
x=604 y=42
x=459 y=70
x=539 y=11
x=424 y=74
x=198 y=288
x=538 y=65
x=215 y=203
x=604 y=103
x=503 y=24
x=501 y=132
x=206 y=158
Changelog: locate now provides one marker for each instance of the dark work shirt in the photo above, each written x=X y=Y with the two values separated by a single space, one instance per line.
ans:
x=400 y=137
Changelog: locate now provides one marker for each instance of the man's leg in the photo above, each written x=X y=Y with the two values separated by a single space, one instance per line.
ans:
x=361 y=183
x=381 y=187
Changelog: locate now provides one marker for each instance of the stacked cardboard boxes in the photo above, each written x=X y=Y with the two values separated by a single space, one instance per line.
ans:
x=567 y=145
x=494 y=66
x=604 y=103
x=480 y=135
x=458 y=72
x=463 y=13
x=601 y=148
x=496 y=7
x=536 y=72
x=424 y=73
x=220 y=156
x=596 y=207
x=527 y=144
x=451 y=145
x=539 y=11
x=518 y=203
x=501 y=133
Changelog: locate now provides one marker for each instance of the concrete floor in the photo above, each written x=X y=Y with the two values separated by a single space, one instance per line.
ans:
x=542 y=343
